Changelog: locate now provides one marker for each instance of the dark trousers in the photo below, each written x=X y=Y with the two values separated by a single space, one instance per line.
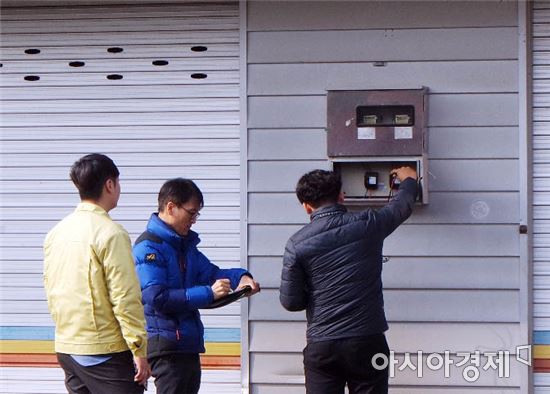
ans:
x=177 y=373
x=330 y=365
x=114 y=376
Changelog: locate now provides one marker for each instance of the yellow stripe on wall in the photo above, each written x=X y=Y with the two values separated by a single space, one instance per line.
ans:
x=27 y=347
x=223 y=348
x=541 y=351
x=212 y=348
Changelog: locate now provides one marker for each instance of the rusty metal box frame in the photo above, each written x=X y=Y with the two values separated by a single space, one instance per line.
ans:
x=346 y=147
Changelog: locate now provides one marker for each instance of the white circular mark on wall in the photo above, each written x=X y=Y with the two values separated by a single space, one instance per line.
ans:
x=479 y=209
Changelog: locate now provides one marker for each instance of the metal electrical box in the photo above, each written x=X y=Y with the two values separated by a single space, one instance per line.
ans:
x=371 y=132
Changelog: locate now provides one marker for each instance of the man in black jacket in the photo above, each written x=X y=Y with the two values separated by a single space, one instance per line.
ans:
x=332 y=268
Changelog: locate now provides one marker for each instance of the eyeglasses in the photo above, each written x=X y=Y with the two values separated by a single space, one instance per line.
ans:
x=194 y=215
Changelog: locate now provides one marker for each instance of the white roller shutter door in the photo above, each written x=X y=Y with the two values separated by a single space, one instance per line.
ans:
x=541 y=189
x=154 y=87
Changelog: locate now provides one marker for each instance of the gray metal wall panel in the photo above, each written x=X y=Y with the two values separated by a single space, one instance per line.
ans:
x=279 y=368
x=388 y=45
x=281 y=176
x=282 y=388
x=287 y=144
x=277 y=389
x=463 y=246
x=432 y=337
x=445 y=110
x=436 y=240
x=448 y=175
x=444 y=208
x=441 y=77
x=410 y=305
x=423 y=272
x=445 y=175
x=444 y=143
x=321 y=15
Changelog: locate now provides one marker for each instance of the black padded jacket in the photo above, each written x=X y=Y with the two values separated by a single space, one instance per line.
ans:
x=332 y=267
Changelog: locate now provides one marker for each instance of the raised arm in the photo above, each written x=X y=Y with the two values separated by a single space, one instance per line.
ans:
x=401 y=206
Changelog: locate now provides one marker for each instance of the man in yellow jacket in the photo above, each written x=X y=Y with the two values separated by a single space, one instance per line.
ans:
x=92 y=289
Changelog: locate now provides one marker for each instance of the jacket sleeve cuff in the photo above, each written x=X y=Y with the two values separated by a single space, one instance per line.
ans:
x=238 y=273
x=411 y=185
x=199 y=296
x=140 y=351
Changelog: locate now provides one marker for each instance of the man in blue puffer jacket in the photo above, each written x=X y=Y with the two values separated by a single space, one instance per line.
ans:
x=176 y=280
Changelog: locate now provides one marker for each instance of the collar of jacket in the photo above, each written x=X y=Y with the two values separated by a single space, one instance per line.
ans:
x=158 y=227
x=328 y=210
x=90 y=207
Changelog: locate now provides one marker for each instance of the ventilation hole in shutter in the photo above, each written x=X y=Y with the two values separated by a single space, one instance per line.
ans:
x=77 y=64
x=115 y=50
x=160 y=62
x=379 y=64
x=199 y=48
x=32 y=78
x=114 y=76
x=1 y=65
x=32 y=51
x=199 y=76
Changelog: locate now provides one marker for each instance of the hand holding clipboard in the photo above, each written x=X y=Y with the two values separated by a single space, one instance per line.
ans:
x=247 y=286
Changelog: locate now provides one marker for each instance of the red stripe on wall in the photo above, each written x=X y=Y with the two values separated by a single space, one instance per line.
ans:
x=50 y=361
x=541 y=365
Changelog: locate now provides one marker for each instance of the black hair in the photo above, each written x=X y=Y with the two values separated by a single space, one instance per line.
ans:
x=179 y=191
x=89 y=174
x=319 y=187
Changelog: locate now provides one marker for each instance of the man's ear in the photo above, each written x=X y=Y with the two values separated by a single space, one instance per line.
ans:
x=169 y=208
x=309 y=209
x=341 y=198
x=110 y=186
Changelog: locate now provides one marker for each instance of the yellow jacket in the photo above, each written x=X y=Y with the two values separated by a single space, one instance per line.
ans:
x=91 y=285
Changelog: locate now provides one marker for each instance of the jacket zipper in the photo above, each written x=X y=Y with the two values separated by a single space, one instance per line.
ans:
x=182 y=262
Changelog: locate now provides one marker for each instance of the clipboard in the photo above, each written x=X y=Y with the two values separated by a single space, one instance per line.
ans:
x=228 y=299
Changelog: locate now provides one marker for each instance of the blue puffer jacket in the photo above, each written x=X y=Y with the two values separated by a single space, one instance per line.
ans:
x=176 y=280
